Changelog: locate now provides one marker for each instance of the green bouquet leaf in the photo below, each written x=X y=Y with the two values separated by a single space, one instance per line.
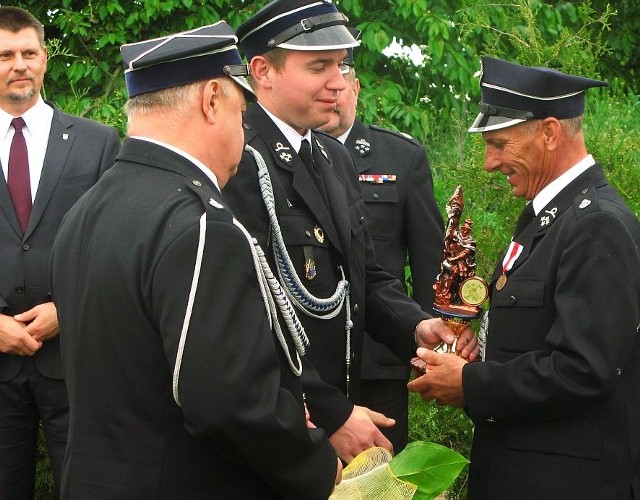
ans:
x=429 y=466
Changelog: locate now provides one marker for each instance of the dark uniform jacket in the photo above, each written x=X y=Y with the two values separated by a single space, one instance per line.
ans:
x=79 y=151
x=403 y=218
x=556 y=404
x=376 y=296
x=123 y=273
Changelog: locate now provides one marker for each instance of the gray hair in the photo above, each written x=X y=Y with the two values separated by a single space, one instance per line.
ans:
x=177 y=99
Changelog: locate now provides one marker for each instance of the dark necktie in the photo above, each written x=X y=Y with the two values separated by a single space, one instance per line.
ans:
x=307 y=158
x=18 y=180
x=525 y=218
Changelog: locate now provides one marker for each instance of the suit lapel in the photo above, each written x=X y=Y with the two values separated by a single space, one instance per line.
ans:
x=360 y=145
x=7 y=208
x=61 y=138
x=542 y=223
x=287 y=162
x=337 y=195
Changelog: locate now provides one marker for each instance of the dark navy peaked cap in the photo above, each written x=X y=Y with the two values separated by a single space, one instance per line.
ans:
x=512 y=94
x=295 y=25
x=182 y=58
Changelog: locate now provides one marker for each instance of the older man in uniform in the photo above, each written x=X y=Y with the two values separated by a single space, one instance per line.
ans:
x=555 y=403
x=404 y=221
x=182 y=383
x=297 y=192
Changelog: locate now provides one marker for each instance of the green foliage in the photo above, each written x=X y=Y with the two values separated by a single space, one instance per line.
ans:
x=449 y=427
x=434 y=101
x=428 y=466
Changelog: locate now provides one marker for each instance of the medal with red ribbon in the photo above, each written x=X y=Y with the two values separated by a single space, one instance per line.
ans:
x=514 y=251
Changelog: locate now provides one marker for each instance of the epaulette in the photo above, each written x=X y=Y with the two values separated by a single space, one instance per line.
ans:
x=586 y=202
x=395 y=133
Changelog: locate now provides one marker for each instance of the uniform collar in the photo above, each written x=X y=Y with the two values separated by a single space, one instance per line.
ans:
x=290 y=134
x=544 y=197
x=184 y=154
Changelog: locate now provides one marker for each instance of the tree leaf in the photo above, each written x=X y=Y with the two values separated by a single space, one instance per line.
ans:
x=429 y=466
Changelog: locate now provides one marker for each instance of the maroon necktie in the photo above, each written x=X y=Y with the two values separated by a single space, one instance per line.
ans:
x=18 y=177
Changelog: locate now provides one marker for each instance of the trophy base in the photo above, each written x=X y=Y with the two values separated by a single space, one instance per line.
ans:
x=457 y=319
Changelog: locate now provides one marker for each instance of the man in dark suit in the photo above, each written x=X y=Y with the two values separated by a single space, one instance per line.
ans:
x=555 y=403
x=404 y=220
x=310 y=216
x=49 y=159
x=182 y=381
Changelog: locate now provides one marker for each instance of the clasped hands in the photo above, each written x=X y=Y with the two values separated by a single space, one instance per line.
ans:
x=442 y=380
x=362 y=428
x=23 y=334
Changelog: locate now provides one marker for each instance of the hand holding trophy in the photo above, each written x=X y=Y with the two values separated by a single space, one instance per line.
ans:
x=459 y=293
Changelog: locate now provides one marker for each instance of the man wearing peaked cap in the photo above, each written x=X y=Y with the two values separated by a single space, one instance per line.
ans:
x=404 y=221
x=181 y=384
x=555 y=402
x=512 y=94
x=297 y=192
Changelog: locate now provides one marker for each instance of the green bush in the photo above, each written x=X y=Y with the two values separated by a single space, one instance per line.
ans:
x=434 y=102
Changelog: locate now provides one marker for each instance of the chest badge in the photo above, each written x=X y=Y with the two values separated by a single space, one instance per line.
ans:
x=319 y=234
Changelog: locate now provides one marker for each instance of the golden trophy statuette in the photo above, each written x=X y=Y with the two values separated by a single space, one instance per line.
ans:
x=459 y=293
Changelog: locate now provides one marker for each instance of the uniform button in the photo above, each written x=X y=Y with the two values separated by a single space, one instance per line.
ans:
x=308 y=233
x=196 y=183
x=585 y=191
x=362 y=219
x=491 y=420
x=356 y=308
x=618 y=371
x=26 y=247
x=513 y=299
x=19 y=289
x=376 y=196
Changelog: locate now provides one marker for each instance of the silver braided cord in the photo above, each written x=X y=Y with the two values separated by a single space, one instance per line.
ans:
x=292 y=283
x=301 y=298
x=275 y=299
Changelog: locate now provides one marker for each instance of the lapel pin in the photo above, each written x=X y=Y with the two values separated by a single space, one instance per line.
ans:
x=319 y=234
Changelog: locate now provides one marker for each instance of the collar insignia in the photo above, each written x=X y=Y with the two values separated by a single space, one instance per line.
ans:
x=548 y=217
x=362 y=146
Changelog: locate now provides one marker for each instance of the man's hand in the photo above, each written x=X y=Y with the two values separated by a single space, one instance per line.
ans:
x=442 y=380
x=339 y=472
x=14 y=338
x=431 y=332
x=41 y=321
x=361 y=432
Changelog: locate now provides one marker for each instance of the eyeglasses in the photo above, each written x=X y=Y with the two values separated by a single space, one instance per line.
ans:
x=345 y=68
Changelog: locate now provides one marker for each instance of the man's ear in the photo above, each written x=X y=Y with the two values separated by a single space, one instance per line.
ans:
x=356 y=87
x=551 y=131
x=261 y=70
x=211 y=95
